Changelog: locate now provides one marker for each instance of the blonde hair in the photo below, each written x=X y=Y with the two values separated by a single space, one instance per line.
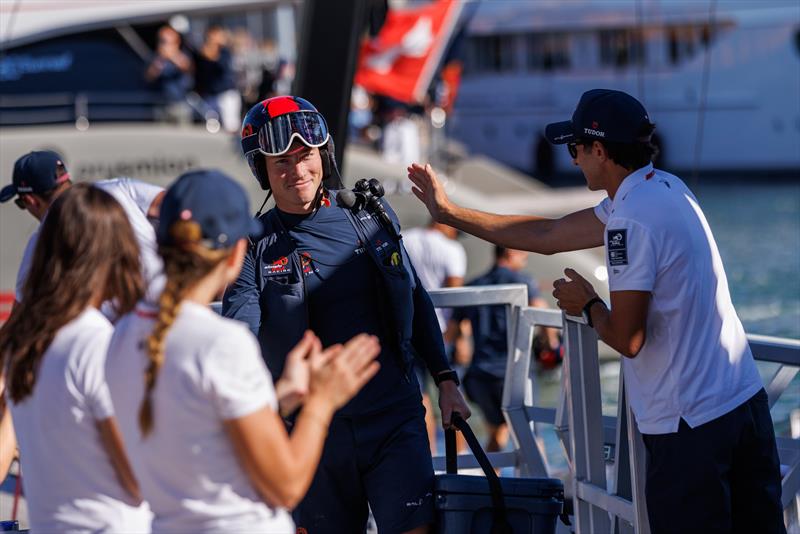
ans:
x=185 y=263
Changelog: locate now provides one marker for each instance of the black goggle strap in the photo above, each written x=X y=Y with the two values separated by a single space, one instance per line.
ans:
x=261 y=209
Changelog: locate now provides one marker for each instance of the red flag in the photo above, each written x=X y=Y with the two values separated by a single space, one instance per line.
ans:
x=402 y=59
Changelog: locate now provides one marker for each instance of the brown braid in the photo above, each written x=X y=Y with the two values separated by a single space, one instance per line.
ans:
x=184 y=266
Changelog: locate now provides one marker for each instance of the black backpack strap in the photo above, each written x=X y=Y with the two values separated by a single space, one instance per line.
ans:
x=499 y=514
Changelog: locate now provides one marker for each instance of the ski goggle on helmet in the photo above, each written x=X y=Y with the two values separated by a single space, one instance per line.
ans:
x=271 y=126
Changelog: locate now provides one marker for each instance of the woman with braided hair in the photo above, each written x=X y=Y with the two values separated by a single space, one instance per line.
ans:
x=203 y=427
x=77 y=477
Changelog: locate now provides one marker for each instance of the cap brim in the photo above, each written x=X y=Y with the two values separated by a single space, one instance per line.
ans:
x=7 y=193
x=559 y=133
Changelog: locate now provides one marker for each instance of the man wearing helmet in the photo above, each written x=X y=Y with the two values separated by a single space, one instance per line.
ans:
x=338 y=271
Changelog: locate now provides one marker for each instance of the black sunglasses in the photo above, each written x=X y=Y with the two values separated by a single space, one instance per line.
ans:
x=573 y=148
x=20 y=203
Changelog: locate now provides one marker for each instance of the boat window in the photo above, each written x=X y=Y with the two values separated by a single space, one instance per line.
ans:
x=548 y=51
x=683 y=42
x=620 y=48
x=490 y=53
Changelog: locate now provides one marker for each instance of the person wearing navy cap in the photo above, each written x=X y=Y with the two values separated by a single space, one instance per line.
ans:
x=38 y=178
x=195 y=403
x=41 y=176
x=689 y=374
x=340 y=268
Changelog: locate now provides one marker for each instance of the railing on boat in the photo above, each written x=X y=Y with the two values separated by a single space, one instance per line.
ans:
x=606 y=498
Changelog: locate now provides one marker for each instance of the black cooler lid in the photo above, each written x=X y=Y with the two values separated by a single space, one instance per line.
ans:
x=543 y=488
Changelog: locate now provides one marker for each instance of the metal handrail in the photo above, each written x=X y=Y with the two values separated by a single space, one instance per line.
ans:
x=601 y=505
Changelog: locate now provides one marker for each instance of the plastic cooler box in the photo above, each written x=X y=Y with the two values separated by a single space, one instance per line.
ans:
x=491 y=505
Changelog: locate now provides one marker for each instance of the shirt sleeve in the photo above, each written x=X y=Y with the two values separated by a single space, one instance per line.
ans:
x=630 y=255
x=533 y=287
x=457 y=261
x=236 y=377
x=142 y=193
x=241 y=298
x=90 y=376
x=603 y=210
x=25 y=265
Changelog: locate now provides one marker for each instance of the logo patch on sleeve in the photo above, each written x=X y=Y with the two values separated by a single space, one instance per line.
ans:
x=617 y=247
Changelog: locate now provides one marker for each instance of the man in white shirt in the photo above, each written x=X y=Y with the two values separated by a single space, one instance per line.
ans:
x=692 y=381
x=40 y=176
x=439 y=259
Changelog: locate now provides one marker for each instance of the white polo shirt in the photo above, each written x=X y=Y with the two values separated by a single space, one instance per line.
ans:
x=135 y=197
x=435 y=257
x=696 y=363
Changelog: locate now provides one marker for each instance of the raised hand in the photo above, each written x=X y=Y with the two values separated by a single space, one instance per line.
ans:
x=293 y=385
x=429 y=190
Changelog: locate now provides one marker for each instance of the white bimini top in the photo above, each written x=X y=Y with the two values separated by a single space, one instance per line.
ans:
x=696 y=363
x=186 y=466
x=69 y=481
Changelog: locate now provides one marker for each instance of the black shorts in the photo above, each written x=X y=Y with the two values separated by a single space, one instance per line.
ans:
x=486 y=391
x=383 y=459
x=721 y=476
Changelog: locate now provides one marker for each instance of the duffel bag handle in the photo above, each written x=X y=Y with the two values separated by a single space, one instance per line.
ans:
x=499 y=515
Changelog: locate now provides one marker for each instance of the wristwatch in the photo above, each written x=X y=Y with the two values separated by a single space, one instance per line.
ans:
x=588 y=308
x=446 y=375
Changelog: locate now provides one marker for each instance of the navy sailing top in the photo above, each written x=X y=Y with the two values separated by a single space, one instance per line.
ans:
x=345 y=297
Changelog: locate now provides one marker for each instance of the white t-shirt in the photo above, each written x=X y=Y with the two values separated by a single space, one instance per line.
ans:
x=401 y=141
x=186 y=466
x=696 y=363
x=135 y=197
x=70 y=483
x=435 y=258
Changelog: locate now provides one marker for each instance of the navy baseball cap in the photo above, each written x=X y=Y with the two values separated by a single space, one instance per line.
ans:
x=602 y=114
x=35 y=172
x=215 y=202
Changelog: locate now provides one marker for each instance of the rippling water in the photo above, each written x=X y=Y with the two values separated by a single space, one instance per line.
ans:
x=757 y=228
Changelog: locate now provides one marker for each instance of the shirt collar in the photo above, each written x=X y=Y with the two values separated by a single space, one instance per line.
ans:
x=631 y=181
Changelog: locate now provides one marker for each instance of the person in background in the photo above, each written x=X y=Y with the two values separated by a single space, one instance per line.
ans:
x=170 y=71
x=698 y=398
x=484 y=379
x=401 y=135
x=440 y=261
x=41 y=176
x=215 y=79
x=77 y=476
x=328 y=264
x=202 y=422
